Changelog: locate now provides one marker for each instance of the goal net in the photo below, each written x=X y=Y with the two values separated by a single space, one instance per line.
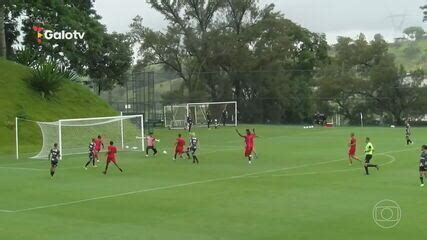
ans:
x=203 y=114
x=74 y=135
x=175 y=116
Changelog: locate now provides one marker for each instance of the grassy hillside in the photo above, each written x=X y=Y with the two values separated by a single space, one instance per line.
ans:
x=411 y=54
x=17 y=99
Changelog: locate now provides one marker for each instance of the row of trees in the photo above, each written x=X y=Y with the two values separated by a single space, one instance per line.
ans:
x=239 y=50
x=363 y=77
x=100 y=55
x=226 y=49
x=277 y=70
x=414 y=33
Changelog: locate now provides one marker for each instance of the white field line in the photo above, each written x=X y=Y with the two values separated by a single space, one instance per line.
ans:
x=261 y=138
x=393 y=159
x=22 y=163
x=6 y=211
x=79 y=167
x=222 y=147
x=317 y=164
x=25 y=169
x=172 y=186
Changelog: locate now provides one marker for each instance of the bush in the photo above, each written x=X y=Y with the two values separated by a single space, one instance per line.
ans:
x=69 y=75
x=411 y=51
x=47 y=79
x=9 y=124
x=27 y=57
x=21 y=112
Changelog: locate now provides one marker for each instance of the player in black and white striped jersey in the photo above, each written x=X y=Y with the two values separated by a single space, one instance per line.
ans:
x=423 y=164
x=54 y=156
x=192 y=147
x=408 y=133
x=91 y=154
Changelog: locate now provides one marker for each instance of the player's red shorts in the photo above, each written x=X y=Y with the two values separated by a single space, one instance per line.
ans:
x=248 y=150
x=97 y=149
x=179 y=150
x=113 y=160
x=352 y=152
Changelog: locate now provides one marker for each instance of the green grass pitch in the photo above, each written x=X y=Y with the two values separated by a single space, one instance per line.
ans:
x=300 y=187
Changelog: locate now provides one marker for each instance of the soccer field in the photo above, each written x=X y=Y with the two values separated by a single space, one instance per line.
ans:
x=300 y=187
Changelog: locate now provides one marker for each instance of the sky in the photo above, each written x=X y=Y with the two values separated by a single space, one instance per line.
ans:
x=332 y=17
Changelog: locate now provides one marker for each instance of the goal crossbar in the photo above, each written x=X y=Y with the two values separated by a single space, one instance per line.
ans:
x=179 y=112
x=55 y=128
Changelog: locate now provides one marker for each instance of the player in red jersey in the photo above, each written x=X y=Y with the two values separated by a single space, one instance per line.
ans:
x=179 y=146
x=249 y=142
x=352 y=149
x=111 y=157
x=99 y=144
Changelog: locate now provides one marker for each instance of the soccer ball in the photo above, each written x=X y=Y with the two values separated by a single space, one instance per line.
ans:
x=164 y=152
x=127 y=147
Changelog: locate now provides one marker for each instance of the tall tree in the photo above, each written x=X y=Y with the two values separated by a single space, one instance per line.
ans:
x=393 y=90
x=109 y=63
x=363 y=77
x=414 y=32
x=236 y=50
x=98 y=51
x=424 y=8
x=2 y=31
x=185 y=45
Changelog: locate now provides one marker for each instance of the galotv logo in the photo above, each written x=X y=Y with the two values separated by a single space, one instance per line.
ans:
x=62 y=35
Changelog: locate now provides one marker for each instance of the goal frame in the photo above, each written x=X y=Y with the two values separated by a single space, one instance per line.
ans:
x=195 y=104
x=61 y=121
x=165 y=120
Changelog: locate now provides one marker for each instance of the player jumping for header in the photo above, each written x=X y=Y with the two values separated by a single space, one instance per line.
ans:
x=423 y=164
x=192 y=148
x=249 y=142
x=111 y=157
x=179 y=146
x=54 y=156
x=352 y=149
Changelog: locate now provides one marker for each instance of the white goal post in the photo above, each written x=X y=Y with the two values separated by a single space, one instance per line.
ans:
x=174 y=116
x=203 y=114
x=73 y=135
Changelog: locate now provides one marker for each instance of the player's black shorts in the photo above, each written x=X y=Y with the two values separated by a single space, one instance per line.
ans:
x=91 y=156
x=54 y=163
x=192 y=150
x=422 y=169
x=368 y=158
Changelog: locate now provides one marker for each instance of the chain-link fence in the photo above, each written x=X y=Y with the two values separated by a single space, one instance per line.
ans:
x=270 y=97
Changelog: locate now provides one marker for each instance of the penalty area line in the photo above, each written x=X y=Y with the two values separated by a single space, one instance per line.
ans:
x=21 y=168
x=6 y=211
